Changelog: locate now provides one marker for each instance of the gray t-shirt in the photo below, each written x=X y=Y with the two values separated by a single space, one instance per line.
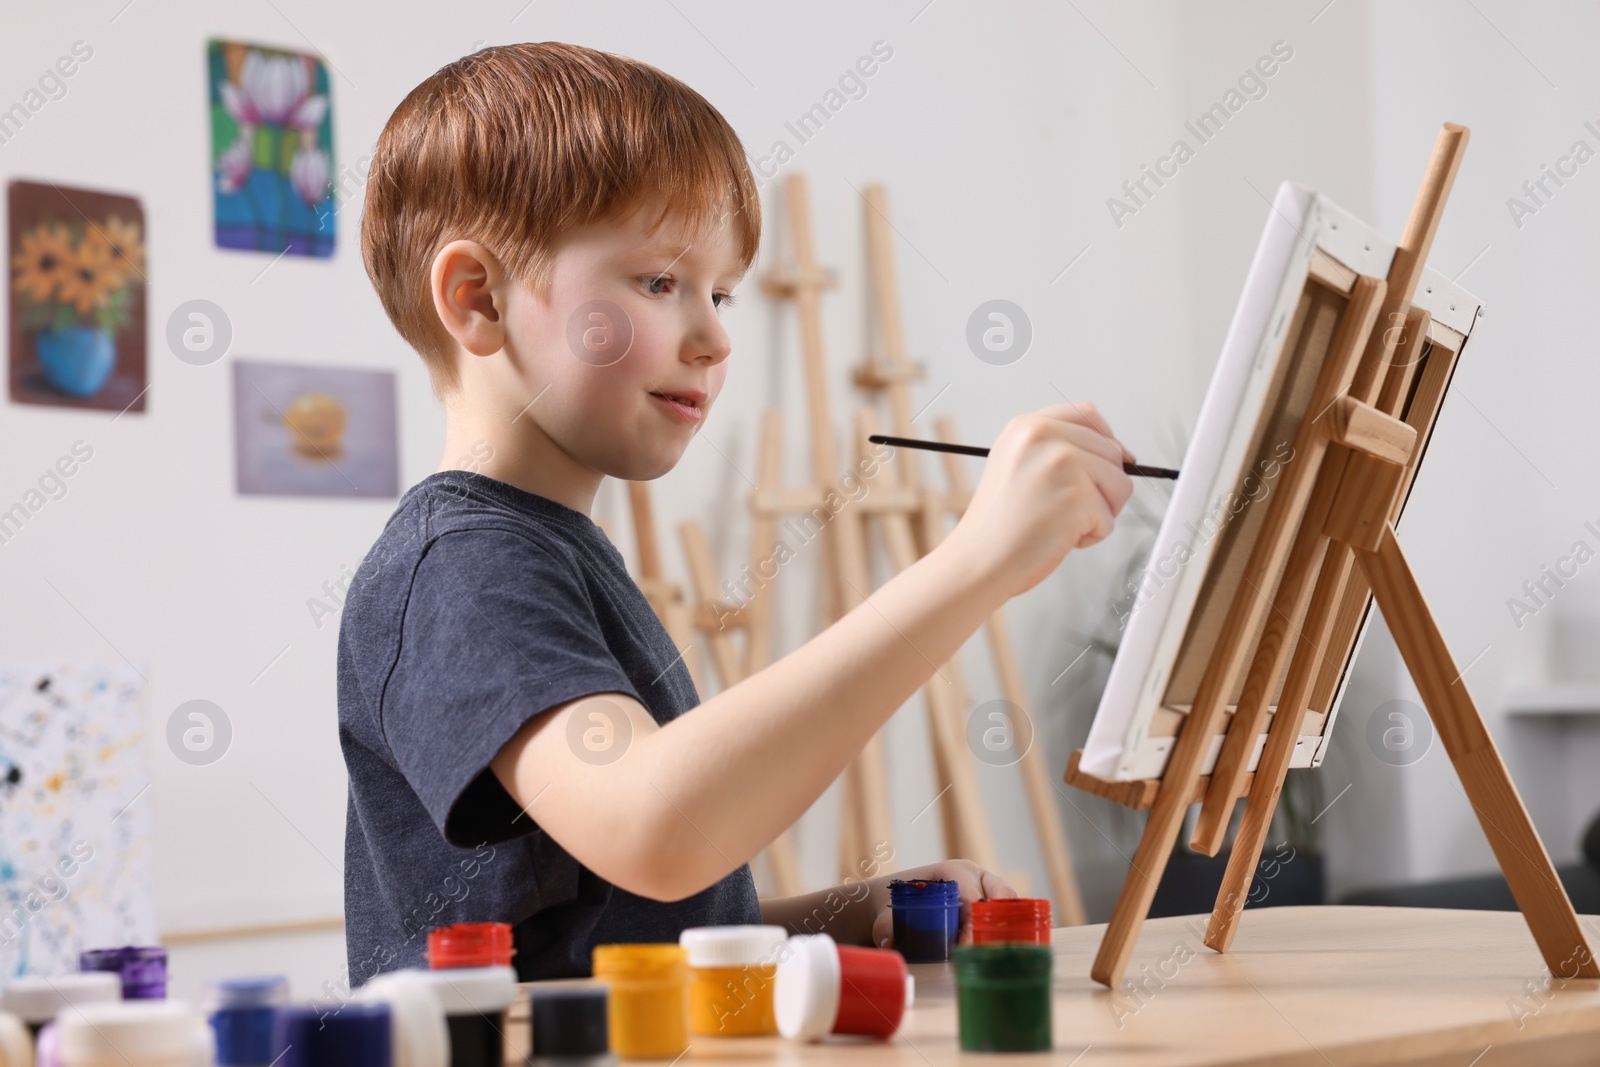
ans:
x=480 y=606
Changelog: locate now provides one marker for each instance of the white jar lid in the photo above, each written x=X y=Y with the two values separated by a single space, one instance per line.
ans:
x=472 y=990
x=806 y=993
x=911 y=989
x=421 y=1037
x=132 y=1030
x=733 y=946
x=36 y=999
x=16 y=1044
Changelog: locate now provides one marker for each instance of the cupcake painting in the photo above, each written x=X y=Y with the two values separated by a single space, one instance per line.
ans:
x=315 y=431
x=77 y=262
x=271 y=149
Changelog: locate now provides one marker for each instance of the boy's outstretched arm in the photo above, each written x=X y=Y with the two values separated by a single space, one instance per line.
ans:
x=687 y=803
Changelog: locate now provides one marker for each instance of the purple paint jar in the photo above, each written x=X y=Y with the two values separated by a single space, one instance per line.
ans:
x=143 y=969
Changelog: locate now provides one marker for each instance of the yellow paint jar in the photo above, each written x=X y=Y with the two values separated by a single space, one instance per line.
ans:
x=649 y=992
x=732 y=972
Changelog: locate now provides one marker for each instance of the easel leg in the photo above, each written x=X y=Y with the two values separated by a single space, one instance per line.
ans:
x=1487 y=785
x=1282 y=735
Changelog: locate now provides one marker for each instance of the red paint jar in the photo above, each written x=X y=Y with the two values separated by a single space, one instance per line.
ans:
x=1025 y=919
x=470 y=945
x=826 y=988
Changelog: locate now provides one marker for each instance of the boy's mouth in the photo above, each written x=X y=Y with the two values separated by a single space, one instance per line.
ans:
x=685 y=405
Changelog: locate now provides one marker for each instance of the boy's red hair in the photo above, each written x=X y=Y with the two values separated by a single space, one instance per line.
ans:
x=513 y=146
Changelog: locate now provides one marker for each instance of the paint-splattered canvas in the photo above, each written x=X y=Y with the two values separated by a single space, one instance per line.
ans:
x=271 y=149
x=75 y=857
x=315 y=431
x=77 y=335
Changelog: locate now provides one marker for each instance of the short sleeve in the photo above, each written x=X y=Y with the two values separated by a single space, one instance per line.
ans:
x=498 y=627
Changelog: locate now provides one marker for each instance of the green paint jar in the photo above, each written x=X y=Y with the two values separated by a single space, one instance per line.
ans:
x=1003 y=997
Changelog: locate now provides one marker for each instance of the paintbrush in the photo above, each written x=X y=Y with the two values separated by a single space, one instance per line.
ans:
x=1136 y=469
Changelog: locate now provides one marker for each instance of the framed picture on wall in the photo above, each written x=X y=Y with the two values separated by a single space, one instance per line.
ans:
x=78 y=282
x=271 y=149
x=315 y=431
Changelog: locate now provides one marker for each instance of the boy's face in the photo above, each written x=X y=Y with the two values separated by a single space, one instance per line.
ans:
x=626 y=350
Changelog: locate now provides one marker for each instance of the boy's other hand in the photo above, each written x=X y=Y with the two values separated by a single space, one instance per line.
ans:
x=975 y=883
x=1053 y=482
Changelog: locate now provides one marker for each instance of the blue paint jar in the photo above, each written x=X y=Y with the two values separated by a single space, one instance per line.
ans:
x=143 y=969
x=241 y=1014
x=333 y=1035
x=927 y=918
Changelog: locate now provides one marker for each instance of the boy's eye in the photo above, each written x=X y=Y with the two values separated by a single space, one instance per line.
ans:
x=724 y=300
x=657 y=283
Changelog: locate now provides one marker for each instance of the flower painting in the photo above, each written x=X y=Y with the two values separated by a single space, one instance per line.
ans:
x=271 y=149
x=77 y=262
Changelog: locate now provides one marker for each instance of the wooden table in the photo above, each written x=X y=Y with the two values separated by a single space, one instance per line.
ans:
x=1317 y=986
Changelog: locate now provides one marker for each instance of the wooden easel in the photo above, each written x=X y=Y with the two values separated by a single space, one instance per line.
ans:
x=912 y=521
x=1329 y=527
x=665 y=597
x=682 y=622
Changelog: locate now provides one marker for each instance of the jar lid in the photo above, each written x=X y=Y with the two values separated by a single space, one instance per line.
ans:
x=911 y=989
x=733 y=946
x=143 y=968
x=1029 y=910
x=224 y=994
x=641 y=960
x=16 y=1045
x=470 y=945
x=1003 y=959
x=419 y=1032
x=333 y=1034
x=806 y=991
x=924 y=891
x=472 y=990
x=36 y=999
x=132 y=1030
x=569 y=1021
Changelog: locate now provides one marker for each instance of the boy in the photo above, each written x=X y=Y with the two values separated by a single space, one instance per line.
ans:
x=555 y=229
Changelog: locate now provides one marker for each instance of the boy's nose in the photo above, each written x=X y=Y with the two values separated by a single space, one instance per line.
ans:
x=709 y=340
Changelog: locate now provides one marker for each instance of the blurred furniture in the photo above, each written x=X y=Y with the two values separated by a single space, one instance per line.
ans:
x=1489 y=892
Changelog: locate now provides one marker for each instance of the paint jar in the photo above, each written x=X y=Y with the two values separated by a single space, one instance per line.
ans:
x=37 y=1001
x=569 y=1027
x=1003 y=997
x=143 y=969
x=1025 y=919
x=135 y=1033
x=470 y=945
x=332 y=1034
x=475 y=1000
x=47 y=1053
x=16 y=1043
x=824 y=987
x=240 y=1011
x=419 y=1035
x=731 y=974
x=649 y=984
x=927 y=918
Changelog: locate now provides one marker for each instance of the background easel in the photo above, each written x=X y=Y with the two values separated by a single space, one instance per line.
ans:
x=1333 y=510
x=711 y=616
x=665 y=596
x=912 y=523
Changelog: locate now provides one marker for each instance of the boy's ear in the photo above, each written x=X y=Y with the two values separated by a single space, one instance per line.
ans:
x=469 y=292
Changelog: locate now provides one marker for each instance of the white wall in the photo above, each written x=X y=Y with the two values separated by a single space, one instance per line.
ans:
x=1001 y=132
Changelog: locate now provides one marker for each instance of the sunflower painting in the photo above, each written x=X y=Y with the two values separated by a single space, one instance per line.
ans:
x=77 y=261
x=271 y=149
